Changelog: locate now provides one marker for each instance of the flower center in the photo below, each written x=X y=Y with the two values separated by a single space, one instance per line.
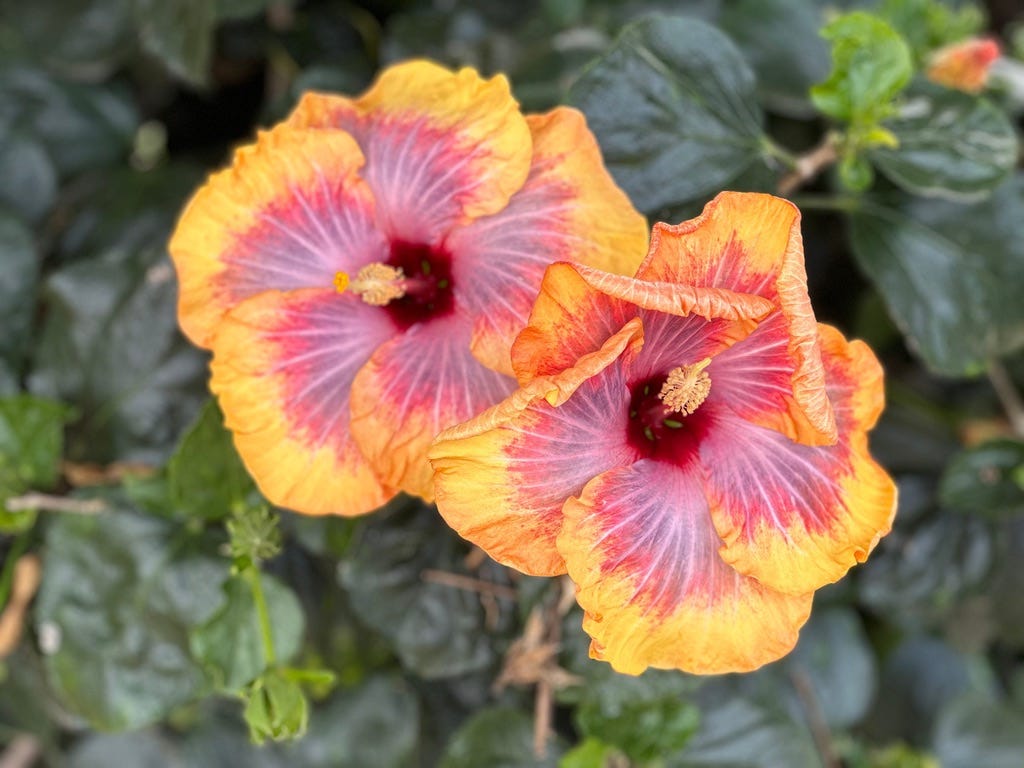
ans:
x=686 y=388
x=413 y=285
x=663 y=418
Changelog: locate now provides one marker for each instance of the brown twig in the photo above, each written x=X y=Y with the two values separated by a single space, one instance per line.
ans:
x=469 y=583
x=815 y=717
x=22 y=752
x=1008 y=395
x=33 y=500
x=809 y=166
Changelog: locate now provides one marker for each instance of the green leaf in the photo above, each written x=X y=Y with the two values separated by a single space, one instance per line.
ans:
x=974 y=732
x=643 y=730
x=950 y=274
x=930 y=24
x=736 y=732
x=240 y=9
x=142 y=749
x=347 y=729
x=180 y=34
x=984 y=480
x=205 y=477
x=230 y=646
x=674 y=107
x=31 y=444
x=277 y=709
x=110 y=343
x=499 y=737
x=119 y=596
x=589 y=753
x=951 y=144
x=870 y=65
x=765 y=30
x=437 y=630
x=81 y=126
x=28 y=178
x=19 y=280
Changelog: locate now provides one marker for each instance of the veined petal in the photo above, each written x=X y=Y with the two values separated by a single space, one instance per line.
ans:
x=796 y=517
x=640 y=546
x=283 y=365
x=751 y=243
x=501 y=478
x=569 y=209
x=289 y=213
x=412 y=388
x=579 y=307
x=440 y=146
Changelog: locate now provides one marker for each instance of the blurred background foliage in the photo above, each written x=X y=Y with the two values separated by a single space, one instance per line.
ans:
x=153 y=612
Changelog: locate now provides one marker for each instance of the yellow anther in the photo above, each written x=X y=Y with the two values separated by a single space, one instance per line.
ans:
x=686 y=388
x=377 y=284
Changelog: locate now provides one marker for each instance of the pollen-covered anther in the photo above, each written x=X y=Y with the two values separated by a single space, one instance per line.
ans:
x=377 y=284
x=686 y=388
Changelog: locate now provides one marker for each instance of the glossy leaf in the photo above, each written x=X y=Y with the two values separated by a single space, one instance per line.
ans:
x=499 y=738
x=950 y=274
x=120 y=594
x=437 y=630
x=31 y=444
x=951 y=144
x=205 y=477
x=674 y=107
x=180 y=34
x=28 y=177
x=977 y=733
x=19 y=281
x=230 y=644
x=987 y=480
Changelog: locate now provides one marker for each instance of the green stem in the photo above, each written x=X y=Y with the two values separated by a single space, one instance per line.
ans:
x=255 y=583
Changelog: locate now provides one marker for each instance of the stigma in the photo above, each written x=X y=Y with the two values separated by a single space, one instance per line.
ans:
x=686 y=388
x=377 y=284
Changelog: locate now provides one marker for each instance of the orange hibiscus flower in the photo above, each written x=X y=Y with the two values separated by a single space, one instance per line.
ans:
x=690 y=445
x=360 y=272
x=963 y=65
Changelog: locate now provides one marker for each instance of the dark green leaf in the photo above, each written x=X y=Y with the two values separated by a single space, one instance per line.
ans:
x=870 y=65
x=180 y=34
x=950 y=274
x=120 y=594
x=240 y=9
x=205 y=477
x=31 y=444
x=736 y=732
x=975 y=732
x=348 y=729
x=951 y=144
x=28 y=178
x=110 y=344
x=986 y=480
x=230 y=644
x=764 y=30
x=19 y=279
x=673 y=105
x=277 y=709
x=499 y=738
x=437 y=630
x=81 y=126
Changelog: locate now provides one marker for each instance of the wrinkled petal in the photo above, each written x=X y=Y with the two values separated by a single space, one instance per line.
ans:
x=283 y=365
x=750 y=243
x=797 y=517
x=412 y=388
x=569 y=209
x=578 y=308
x=501 y=478
x=289 y=213
x=640 y=546
x=440 y=146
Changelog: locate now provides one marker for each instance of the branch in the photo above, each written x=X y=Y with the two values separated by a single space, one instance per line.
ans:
x=1008 y=395
x=469 y=584
x=815 y=717
x=809 y=166
x=33 y=500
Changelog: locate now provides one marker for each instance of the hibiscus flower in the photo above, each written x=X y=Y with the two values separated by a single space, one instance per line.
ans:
x=689 y=445
x=360 y=272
